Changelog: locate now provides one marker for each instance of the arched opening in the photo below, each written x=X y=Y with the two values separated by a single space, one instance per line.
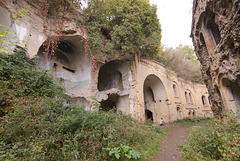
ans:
x=109 y=77
x=110 y=103
x=213 y=27
x=186 y=97
x=204 y=100
x=148 y=115
x=209 y=100
x=175 y=91
x=179 y=113
x=70 y=61
x=155 y=98
x=232 y=94
x=149 y=96
x=189 y=113
x=190 y=98
x=194 y=113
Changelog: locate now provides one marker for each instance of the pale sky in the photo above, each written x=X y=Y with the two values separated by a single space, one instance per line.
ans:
x=175 y=17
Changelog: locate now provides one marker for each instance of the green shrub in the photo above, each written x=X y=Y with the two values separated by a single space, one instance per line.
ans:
x=44 y=129
x=219 y=140
x=38 y=125
x=21 y=77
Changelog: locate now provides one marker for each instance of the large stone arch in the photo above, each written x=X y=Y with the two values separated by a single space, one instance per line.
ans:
x=70 y=61
x=155 y=98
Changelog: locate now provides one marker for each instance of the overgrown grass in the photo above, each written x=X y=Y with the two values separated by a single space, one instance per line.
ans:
x=219 y=140
x=193 y=120
x=40 y=126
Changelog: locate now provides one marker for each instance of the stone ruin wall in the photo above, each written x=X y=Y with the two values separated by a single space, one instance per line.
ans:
x=216 y=38
x=136 y=86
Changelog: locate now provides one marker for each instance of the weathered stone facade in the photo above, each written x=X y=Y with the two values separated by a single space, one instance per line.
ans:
x=136 y=86
x=216 y=38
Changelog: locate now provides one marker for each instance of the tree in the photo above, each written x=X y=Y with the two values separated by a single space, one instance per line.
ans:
x=187 y=50
x=132 y=26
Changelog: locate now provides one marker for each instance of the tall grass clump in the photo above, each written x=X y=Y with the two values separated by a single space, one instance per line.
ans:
x=189 y=120
x=219 y=140
x=37 y=124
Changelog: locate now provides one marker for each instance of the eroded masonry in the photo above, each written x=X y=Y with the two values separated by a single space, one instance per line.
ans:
x=215 y=33
x=140 y=87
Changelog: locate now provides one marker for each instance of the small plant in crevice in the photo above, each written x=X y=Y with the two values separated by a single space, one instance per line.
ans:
x=8 y=36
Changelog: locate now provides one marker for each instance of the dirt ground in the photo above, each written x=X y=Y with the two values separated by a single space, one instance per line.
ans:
x=177 y=135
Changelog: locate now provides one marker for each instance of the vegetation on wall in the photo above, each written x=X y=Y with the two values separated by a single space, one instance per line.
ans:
x=182 y=61
x=8 y=36
x=38 y=124
x=219 y=140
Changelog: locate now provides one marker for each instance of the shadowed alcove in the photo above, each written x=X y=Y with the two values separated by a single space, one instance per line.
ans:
x=109 y=77
x=231 y=91
x=110 y=103
x=155 y=98
x=70 y=61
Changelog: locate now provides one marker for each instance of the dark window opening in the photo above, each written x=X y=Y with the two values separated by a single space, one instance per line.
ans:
x=189 y=112
x=203 y=100
x=65 y=46
x=110 y=103
x=186 y=97
x=178 y=113
x=209 y=100
x=68 y=69
x=190 y=98
x=148 y=115
x=175 y=90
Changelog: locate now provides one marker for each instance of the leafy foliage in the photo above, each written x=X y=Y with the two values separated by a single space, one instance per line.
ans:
x=122 y=152
x=188 y=51
x=219 y=140
x=56 y=7
x=20 y=77
x=41 y=126
x=131 y=25
x=94 y=36
x=7 y=35
x=181 y=61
